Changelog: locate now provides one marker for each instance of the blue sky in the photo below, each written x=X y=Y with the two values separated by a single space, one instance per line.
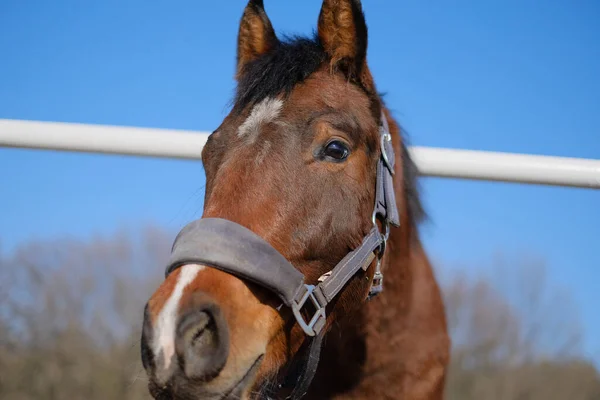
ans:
x=506 y=76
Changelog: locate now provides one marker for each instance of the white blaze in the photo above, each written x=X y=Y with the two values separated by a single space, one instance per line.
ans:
x=264 y=112
x=164 y=331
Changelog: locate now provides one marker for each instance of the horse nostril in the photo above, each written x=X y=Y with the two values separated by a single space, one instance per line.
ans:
x=202 y=342
x=198 y=332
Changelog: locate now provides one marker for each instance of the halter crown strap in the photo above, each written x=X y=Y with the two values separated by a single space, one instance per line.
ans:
x=385 y=197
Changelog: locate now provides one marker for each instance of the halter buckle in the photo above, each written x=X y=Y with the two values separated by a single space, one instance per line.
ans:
x=377 y=284
x=317 y=321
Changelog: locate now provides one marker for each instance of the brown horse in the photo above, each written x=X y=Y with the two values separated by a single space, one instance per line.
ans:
x=296 y=163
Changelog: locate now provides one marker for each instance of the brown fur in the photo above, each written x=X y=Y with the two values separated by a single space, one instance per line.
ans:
x=314 y=212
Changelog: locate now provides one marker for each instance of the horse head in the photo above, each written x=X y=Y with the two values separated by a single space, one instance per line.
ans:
x=308 y=165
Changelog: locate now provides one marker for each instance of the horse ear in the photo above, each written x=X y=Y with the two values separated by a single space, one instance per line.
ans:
x=343 y=33
x=255 y=36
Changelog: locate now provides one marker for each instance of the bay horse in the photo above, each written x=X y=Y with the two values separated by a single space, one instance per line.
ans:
x=306 y=175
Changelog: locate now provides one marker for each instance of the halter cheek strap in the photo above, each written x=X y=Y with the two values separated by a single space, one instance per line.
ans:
x=234 y=249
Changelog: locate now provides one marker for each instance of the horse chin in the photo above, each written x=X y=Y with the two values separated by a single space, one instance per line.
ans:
x=243 y=388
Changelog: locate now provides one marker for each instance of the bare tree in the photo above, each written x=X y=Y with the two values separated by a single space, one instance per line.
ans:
x=71 y=313
x=515 y=336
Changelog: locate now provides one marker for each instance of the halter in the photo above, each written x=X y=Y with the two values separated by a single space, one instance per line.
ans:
x=234 y=249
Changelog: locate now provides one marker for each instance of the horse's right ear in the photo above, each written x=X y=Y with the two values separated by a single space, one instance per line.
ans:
x=256 y=35
x=343 y=33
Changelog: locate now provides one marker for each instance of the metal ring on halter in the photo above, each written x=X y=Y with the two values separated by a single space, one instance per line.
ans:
x=384 y=236
x=385 y=224
x=386 y=137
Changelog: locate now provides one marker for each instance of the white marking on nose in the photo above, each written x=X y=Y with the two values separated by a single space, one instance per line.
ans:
x=262 y=113
x=164 y=334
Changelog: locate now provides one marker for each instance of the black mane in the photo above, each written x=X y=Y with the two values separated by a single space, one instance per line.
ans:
x=290 y=63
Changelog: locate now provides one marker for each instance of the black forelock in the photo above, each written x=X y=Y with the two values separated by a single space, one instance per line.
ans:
x=279 y=71
x=291 y=62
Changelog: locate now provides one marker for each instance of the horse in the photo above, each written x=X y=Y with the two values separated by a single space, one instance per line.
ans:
x=296 y=176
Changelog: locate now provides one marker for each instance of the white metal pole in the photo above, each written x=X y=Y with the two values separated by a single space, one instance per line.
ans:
x=507 y=167
x=102 y=139
x=437 y=162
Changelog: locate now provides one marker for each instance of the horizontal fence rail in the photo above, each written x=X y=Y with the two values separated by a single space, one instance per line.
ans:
x=165 y=143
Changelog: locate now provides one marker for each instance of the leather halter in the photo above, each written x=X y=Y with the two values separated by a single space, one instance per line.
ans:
x=234 y=249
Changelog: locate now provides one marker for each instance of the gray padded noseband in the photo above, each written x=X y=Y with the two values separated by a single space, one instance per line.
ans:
x=228 y=246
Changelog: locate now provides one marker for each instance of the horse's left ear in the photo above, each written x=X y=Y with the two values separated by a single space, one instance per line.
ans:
x=343 y=34
x=255 y=36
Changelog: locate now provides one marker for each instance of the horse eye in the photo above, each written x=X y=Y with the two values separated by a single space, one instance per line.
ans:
x=336 y=150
